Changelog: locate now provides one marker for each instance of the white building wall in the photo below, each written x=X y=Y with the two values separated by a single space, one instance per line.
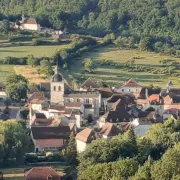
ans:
x=128 y=89
x=81 y=146
x=31 y=27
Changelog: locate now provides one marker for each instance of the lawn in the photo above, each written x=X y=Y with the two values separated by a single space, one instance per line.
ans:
x=114 y=76
x=5 y=70
x=18 y=173
x=31 y=74
x=36 y=51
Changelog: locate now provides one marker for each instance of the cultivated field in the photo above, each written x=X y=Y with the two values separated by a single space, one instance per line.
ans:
x=31 y=74
x=114 y=76
x=36 y=51
x=18 y=173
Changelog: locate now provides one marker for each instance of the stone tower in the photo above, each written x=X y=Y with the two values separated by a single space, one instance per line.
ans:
x=57 y=86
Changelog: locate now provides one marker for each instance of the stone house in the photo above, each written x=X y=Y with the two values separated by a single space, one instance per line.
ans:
x=130 y=86
x=84 y=138
x=50 y=138
x=109 y=130
x=29 y=24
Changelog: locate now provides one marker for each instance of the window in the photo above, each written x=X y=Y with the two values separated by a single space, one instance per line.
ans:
x=87 y=101
x=78 y=100
x=54 y=88
x=59 y=88
x=122 y=90
x=129 y=90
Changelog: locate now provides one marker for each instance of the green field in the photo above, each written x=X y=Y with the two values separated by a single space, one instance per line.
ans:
x=115 y=76
x=36 y=51
x=5 y=70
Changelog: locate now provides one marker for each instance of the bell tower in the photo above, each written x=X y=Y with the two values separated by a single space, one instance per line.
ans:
x=57 y=86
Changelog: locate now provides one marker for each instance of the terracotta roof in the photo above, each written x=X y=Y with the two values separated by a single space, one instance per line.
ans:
x=57 y=107
x=125 y=126
x=36 y=97
x=150 y=91
x=30 y=21
x=154 y=97
x=49 y=142
x=109 y=129
x=130 y=83
x=51 y=132
x=86 y=135
x=142 y=101
x=42 y=173
x=167 y=100
x=90 y=84
x=73 y=104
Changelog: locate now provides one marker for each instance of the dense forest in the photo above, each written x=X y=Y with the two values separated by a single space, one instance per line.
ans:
x=148 y=17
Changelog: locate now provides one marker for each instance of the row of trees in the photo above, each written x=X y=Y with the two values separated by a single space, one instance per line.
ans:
x=155 y=156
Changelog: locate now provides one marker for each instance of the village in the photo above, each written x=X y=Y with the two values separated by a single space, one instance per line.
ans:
x=61 y=116
x=95 y=111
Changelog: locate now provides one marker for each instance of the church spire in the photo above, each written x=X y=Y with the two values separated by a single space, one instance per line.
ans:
x=57 y=68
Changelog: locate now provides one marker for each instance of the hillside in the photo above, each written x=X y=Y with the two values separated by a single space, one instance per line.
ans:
x=148 y=17
x=148 y=67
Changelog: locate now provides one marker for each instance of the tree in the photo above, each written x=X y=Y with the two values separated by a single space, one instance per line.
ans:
x=144 y=44
x=5 y=27
x=71 y=151
x=89 y=65
x=122 y=169
x=131 y=136
x=16 y=87
x=168 y=166
x=32 y=61
x=144 y=172
x=7 y=102
x=15 y=141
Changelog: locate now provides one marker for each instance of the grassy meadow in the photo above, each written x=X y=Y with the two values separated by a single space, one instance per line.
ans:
x=36 y=51
x=114 y=76
x=6 y=70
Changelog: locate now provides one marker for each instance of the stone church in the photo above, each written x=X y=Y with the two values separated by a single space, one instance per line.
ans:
x=62 y=93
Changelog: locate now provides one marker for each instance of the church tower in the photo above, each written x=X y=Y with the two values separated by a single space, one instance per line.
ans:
x=57 y=86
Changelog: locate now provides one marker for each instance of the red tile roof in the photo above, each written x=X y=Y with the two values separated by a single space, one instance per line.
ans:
x=49 y=142
x=130 y=83
x=109 y=129
x=42 y=173
x=86 y=135
x=30 y=21
x=37 y=97
x=154 y=97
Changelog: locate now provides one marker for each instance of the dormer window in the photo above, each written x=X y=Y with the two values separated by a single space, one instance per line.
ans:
x=50 y=177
